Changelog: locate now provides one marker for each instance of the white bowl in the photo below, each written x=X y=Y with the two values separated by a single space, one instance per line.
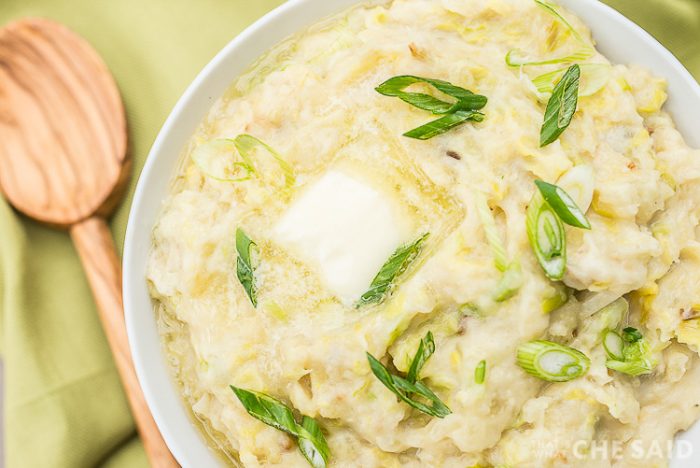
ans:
x=618 y=38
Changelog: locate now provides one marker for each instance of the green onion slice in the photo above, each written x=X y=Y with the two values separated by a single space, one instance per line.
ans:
x=480 y=372
x=563 y=205
x=247 y=144
x=509 y=284
x=561 y=106
x=443 y=124
x=500 y=257
x=466 y=100
x=394 y=267
x=274 y=413
x=559 y=297
x=551 y=361
x=633 y=368
x=512 y=279
x=312 y=443
x=407 y=391
x=613 y=344
x=551 y=9
x=547 y=238
x=519 y=58
x=464 y=109
x=594 y=76
x=631 y=335
x=244 y=265
x=628 y=352
x=216 y=159
x=579 y=183
x=426 y=348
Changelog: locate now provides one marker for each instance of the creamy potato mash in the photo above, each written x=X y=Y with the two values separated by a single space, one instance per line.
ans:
x=329 y=188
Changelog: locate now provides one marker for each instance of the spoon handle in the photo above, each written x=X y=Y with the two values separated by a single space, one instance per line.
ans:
x=98 y=255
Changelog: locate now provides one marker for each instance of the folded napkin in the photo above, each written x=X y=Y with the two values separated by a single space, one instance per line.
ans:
x=64 y=406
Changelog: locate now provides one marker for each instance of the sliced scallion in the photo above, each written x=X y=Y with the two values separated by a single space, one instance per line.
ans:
x=594 y=76
x=480 y=372
x=217 y=159
x=409 y=392
x=511 y=279
x=394 y=267
x=247 y=144
x=545 y=232
x=633 y=368
x=628 y=352
x=579 y=183
x=518 y=58
x=426 y=348
x=613 y=344
x=510 y=283
x=274 y=413
x=464 y=108
x=551 y=361
x=245 y=269
x=561 y=106
x=563 y=205
x=631 y=334
x=443 y=124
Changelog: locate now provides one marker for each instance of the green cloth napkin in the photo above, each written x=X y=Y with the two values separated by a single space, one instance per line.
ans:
x=64 y=406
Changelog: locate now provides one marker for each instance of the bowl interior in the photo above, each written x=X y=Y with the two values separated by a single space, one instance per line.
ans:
x=618 y=38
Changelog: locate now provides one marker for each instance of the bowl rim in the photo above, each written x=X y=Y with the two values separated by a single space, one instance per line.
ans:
x=134 y=266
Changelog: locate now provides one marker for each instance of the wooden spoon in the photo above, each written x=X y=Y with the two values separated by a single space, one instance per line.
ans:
x=63 y=162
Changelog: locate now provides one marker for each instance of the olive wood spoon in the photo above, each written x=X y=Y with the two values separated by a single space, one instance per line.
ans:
x=63 y=162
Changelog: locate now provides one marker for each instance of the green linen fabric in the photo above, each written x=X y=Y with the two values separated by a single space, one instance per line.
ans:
x=63 y=404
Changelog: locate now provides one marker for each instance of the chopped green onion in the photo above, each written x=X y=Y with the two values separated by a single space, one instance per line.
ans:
x=312 y=444
x=563 y=205
x=594 y=76
x=512 y=280
x=579 y=183
x=246 y=144
x=509 y=284
x=558 y=299
x=426 y=348
x=274 y=413
x=633 y=368
x=518 y=58
x=561 y=106
x=631 y=334
x=215 y=159
x=552 y=10
x=545 y=232
x=408 y=391
x=466 y=100
x=551 y=361
x=613 y=344
x=443 y=124
x=244 y=265
x=480 y=372
x=629 y=352
x=454 y=113
x=500 y=257
x=394 y=267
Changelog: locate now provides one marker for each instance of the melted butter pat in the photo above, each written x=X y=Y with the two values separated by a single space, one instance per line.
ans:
x=346 y=229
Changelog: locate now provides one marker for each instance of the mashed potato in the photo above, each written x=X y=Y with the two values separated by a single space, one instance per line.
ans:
x=338 y=189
